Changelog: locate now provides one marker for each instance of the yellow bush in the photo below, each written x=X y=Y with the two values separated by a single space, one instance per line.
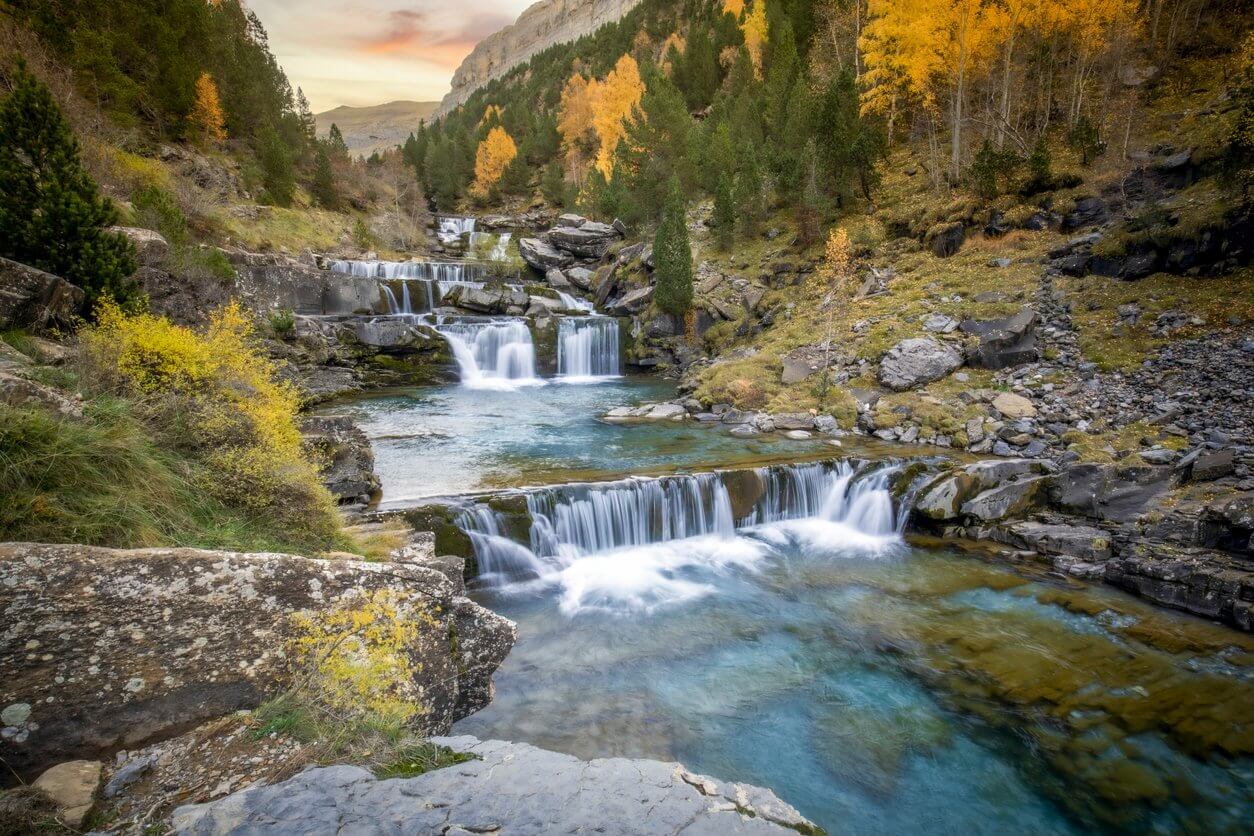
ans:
x=221 y=399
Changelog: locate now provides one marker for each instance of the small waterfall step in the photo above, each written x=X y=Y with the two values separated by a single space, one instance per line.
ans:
x=588 y=347
x=571 y=522
x=493 y=354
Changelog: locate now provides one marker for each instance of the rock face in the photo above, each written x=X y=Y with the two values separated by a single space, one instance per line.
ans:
x=539 y=27
x=912 y=363
x=151 y=248
x=104 y=649
x=541 y=255
x=343 y=451
x=35 y=300
x=1005 y=342
x=510 y=788
x=588 y=240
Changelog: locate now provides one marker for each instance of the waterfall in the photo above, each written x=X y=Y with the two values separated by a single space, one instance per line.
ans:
x=498 y=354
x=450 y=230
x=571 y=524
x=394 y=307
x=500 y=244
x=572 y=303
x=587 y=347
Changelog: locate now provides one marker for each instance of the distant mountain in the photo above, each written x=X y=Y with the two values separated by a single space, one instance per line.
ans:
x=540 y=26
x=368 y=129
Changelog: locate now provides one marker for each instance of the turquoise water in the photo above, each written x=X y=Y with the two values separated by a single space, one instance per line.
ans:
x=451 y=440
x=882 y=688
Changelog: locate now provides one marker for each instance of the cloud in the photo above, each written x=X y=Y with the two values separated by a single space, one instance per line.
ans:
x=404 y=30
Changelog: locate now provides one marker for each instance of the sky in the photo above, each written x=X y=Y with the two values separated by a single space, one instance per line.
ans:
x=366 y=52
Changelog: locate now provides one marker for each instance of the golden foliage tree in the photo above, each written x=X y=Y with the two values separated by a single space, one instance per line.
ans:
x=574 y=124
x=613 y=102
x=495 y=153
x=754 y=28
x=734 y=8
x=593 y=116
x=207 y=112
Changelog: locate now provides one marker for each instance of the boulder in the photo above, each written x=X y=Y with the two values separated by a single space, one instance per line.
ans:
x=667 y=412
x=632 y=302
x=581 y=277
x=1105 y=492
x=389 y=334
x=570 y=219
x=1014 y=406
x=541 y=255
x=1212 y=465
x=588 y=240
x=945 y=240
x=1089 y=211
x=72 y=787
x=35 y=300
x=18 y=391
x=486 y=299
x=112 y=648
x=556 y=278
x=504 y=788
x=1008 y=500
x=151 y=248
x=1005 y=342
x=915 y=362
x=942 y=500
x=343 y=454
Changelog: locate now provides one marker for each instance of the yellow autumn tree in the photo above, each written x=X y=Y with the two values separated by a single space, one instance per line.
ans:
x=754 y=28
x=574 y=124
x=495 y=154
x=207 y=112
x=734 y=8
x=613 y=102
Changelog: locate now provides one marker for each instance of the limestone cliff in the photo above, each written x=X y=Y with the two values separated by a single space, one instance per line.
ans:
x=539 y=27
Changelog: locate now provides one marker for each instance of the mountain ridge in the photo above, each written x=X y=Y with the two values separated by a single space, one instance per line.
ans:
x=540 y=26
x=375 y=127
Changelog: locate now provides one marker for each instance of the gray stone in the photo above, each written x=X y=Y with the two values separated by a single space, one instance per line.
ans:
x=130 y=772
x=1213 y=465
x=588 y=240
x=151 y=248
x=1160 y=455
x=915 y=362
x=508 y=788
x=667 y=412
x=72 y=787
x=1104 y=492
x=939 y=323
x=1082 y=541
x=1008 y=500
x=556 y=278
x=541 y=255
x=137 y=644
x=35 y=300
x=798 y=435
x=1005 y=342
x=632 y=302
x=581 y=277
x=343 y=455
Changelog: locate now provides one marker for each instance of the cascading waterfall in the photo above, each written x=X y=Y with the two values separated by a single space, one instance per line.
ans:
x=572 y=524
x=587 y=347
x=450 y=230
x=497 y=354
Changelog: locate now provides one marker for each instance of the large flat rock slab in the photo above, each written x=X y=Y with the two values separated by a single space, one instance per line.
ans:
x=511 y=788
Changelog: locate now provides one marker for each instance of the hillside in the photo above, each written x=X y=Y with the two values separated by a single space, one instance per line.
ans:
x=376 y=128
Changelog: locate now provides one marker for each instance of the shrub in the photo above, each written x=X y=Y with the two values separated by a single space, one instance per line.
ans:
x=219 y=398
x=283 y=322
x=157 y=209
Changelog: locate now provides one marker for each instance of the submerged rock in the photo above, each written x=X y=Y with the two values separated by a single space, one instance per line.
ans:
x=508 y=788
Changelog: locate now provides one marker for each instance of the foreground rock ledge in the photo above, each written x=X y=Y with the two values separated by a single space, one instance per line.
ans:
x=511 y=788
x=104 y=649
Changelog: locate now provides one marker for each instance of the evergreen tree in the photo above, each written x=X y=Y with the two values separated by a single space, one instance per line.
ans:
x=1040 y=175
x=336 y=146
x=724 y=213
x=305 y=119
x=672 y=256
x=553 y=185
x=52 y=215
x=323 y=186
x=276 y=167
x=851 y=143
x=810 y=202
x=749 y=197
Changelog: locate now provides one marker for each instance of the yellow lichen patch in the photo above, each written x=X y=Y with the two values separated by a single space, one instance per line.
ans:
x=359 y=659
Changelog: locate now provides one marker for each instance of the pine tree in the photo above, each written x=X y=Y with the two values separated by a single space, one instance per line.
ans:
x=52 y=215
x=323 y=186
x=810 y=205
x=750 y=198
x=337 y=147
x=724 y=213
x=276 y=167
x=672 y=256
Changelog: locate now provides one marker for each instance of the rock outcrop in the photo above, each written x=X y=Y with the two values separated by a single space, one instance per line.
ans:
x=344 y=456
x=105 y=649
x=539 y=27
x=508 y=788
x=35 y=300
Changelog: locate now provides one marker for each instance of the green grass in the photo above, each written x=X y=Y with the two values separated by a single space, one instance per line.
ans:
x=103 y=480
